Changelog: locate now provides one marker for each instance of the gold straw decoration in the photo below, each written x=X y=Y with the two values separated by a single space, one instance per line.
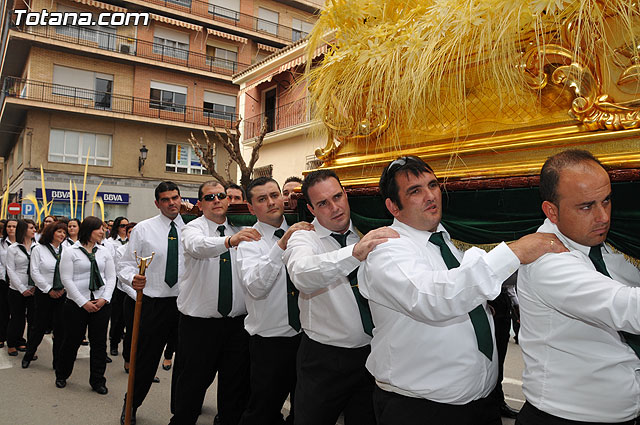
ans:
x=93 y=201
x=416 y=59
x=84 y=184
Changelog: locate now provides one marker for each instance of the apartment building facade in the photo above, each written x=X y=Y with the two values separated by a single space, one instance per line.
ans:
x=128 y=96
x=274 y=91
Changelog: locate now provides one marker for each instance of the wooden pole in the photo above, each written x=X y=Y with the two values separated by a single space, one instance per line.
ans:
x=142 y=264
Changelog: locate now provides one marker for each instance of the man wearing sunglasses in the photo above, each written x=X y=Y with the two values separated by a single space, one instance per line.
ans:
x=433 y=354
x=211 y=335
x=159 y=235
x=331 y=377
x=272 y=302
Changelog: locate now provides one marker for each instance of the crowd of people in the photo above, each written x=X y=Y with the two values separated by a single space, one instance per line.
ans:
x=392 y=328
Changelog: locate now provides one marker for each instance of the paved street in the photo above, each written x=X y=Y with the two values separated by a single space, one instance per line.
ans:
x=29 y=397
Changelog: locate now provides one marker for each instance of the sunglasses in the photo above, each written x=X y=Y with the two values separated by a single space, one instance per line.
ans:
x=211 y=196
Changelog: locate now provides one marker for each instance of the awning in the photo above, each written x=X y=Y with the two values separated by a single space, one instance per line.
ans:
x=267 y=48
x=227 y=35
x=101 y=5
x=302 y=59
x=171 y=21
x=263 y=79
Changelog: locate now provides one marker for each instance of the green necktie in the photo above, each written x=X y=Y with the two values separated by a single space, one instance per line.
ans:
x=225 y=299
x=95 y=279
x=363 y=305
x=57 y=282
x=478 y=315
x=30 y=281
x=122 y=242
x=171 y=268
x=595 y=255
x=293 y=310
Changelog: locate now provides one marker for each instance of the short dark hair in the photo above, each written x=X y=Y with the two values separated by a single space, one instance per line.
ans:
x=166 y=186
x=131 y=225
x=116 y=226
x=235 y=186
x=88 y=225
x=550 y=172
x=49 y=230
x=259 y=181
x=293 y=179
x=208 y=183
x=4 y=231
x=315 y=177
x=405 y=164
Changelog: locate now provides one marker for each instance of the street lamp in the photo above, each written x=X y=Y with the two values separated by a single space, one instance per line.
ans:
x=143 y=157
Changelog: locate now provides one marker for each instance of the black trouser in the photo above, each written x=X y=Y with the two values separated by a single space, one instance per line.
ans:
x=49 y=311
x=19 y=306
x=206 y=347
x=76 y=320
x=128 y=310
x=116 y=330
x=396 y=409
x=172 y=343
x=530 y=415
x=332 y=380
x=4 y=309
x=502 y=323
x=273 y=378
x=157 y=318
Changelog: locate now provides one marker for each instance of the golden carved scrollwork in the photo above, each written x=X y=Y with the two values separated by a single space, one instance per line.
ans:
x=571 y=69
x=343 y=128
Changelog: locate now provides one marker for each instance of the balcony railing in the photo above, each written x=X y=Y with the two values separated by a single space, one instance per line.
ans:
x=231 y=17
x=87 y=36
x=282 y=117
x=57 y=94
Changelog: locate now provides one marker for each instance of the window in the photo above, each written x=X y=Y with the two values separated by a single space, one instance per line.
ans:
x=219 y=106
x=300 y=29
x=228 y=9
x=73 y=146
x=265 y=171
x=168 y=97
x=267 y=21
x=83 y=84
x=222 y=58
x=182 y=158
x=174 y=44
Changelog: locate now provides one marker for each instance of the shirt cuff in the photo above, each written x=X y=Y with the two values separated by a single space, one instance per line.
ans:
x=502 y=261
x=276 y=253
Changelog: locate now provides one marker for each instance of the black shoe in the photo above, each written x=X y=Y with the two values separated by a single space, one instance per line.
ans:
x=114 y=351
x=61 y=383
x=166 y=366
x=507 y=412
x=22 y=348
x=84 y=342
x=13 y=353
x=25 y=363
x=101 y=389
x=156 y=380
x=109 y=359
x=124 y=413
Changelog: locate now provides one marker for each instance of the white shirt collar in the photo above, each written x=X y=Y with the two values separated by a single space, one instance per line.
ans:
x=420 y=235
x=323 y=232
x=268 y=230
x=167 y=221
x=549 y=227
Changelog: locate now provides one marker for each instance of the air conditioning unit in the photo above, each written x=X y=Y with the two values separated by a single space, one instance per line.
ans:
x=125 y=48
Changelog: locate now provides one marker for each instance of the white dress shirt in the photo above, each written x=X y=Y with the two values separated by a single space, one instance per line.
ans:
x=319 y=268
x=127 y=289
x=114 y=244
x=4 y=245
x=67 y=243
x=203 y=246
x=264 y=277
x=17 y=265
x=151 y=236
x=576 y=365
x=75 y=268
x=424 y=344
x=43 y=265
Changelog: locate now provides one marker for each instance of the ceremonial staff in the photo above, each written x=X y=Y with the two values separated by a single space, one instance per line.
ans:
x=143 y=263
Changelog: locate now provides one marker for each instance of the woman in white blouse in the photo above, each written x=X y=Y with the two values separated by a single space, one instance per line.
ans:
x=117 y=239
x=50 y=296
x=88 y=275
x=73 y=227
x=21 y=286
x=8 y=237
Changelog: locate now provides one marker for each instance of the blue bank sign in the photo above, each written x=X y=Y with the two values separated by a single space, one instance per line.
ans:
x=63 y=195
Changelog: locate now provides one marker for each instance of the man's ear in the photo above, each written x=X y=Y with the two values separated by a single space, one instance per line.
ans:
x=392 y=207
x=551 y=211
x=310 y=208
